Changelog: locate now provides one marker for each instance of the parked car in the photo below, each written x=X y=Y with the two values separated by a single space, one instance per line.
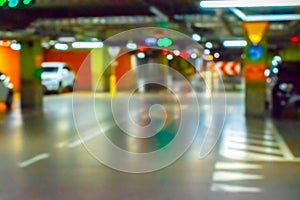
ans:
x=283 y=86
x=57 y=77
x=6 y=90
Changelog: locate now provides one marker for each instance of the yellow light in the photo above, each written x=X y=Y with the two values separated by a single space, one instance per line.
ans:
x=255 y=30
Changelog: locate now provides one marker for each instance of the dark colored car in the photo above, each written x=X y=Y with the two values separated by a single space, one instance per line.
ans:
x=283 y=86
x=6 y=90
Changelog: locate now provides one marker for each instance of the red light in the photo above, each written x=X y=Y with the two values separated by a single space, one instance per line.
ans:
x=4 y=43
x=295 y=39
x=165 y=52
x=142 y=49
x=184 y=55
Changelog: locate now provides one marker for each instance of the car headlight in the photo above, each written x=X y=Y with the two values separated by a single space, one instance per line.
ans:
x=286 y=87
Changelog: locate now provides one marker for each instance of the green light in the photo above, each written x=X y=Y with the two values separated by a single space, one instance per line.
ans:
x=13 y=3
x=26 y=2
x=2 y=2
x=164 y=42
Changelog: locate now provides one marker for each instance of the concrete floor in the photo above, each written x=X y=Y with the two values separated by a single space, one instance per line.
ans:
x=42 y=157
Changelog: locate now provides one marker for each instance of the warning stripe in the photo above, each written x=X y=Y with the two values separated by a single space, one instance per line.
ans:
x=226 y=68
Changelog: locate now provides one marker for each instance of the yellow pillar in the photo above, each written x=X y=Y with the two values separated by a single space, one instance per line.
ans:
x=100 y=69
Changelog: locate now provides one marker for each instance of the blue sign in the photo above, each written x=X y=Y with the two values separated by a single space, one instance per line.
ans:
x=255 y=52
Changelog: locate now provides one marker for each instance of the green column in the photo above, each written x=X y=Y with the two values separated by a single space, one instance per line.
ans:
x=30 y=63
x=254 y=64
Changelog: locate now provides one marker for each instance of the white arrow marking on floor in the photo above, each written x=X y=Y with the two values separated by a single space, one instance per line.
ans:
x=235 y=176
x=234 y=188
x=33 y=160
x=236 y=166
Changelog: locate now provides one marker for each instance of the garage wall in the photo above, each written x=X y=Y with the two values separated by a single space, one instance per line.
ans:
x=10 y=64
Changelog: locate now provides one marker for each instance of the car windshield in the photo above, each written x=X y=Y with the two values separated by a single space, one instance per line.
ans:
x=50 y=69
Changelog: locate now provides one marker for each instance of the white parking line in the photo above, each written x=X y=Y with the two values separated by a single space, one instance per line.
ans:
x=281 y=143
x=94 y=132
x=236 y=166
x=235 y=176
x=245 y=146
x=252 y=141
x=33 y=160
x=234 y=188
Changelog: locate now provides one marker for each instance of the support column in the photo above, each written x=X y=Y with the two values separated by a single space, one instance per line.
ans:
x=30 y=72
x=100 y=59
x=254 y=64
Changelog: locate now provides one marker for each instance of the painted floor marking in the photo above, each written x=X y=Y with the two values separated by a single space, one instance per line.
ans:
x=256 y=145
x=93 y=132
x=260 y=149
x=236 y=166
x=227 y=174
x=283 y=146
x=33 y=160
x=252 y=141
x=250 y=156
x=234 y=188
x=235 y=176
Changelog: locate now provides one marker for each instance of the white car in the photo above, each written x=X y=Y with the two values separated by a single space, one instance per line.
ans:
x=57 y=77
x=6 y=90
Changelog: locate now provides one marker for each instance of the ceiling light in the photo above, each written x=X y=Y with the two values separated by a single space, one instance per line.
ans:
x=208 y=45
x=176 y=52
x=61 y=46
x=247 y=3
x=217 y=55
x=87 y=45
x=16 y=46
x=170 y=57
x=194 y=56
x=235 y=43
x=279 y=17
x=254 y=18
x=141 y=55
x=196 y=37
x=66 y=39
x=206 y=51
x=131 y=45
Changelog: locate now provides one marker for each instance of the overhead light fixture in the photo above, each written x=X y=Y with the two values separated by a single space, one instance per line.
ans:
x=209 y=45
x=254 y=18
x=61 y=46
x=247 y=3
x=87 y=45
x=206 y=51
x=66 y=39
x=16 y=46
x=217 y=55
x=279 y=17
x=235 y=43
x=141 y=55
x=158 y=13
x=170 y=57
x=131 y=45
x=196 y=37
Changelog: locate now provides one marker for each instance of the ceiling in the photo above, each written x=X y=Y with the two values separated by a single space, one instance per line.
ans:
x=103 y=18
